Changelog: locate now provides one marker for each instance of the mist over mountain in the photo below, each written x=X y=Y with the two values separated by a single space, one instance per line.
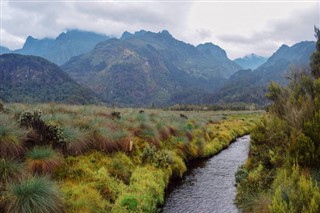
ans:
x=146 y=67
x=35 y=79
x=62 y=48
x=251 y=61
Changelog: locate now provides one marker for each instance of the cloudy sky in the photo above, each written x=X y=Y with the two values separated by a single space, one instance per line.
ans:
x=239 y=27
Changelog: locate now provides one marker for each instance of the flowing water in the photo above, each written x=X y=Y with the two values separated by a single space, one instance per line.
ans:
x=209 y=186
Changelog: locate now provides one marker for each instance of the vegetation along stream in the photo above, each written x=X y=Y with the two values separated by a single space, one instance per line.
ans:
x=210 y=185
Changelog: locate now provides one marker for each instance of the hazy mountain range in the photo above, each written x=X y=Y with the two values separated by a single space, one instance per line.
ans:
x=62 y=48
x=251 y=61
x=146 y=67
x=140 y=69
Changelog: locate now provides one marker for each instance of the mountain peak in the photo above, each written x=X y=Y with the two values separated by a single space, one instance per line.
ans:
x=165 y=33
x=212 y=49
x=251 y=61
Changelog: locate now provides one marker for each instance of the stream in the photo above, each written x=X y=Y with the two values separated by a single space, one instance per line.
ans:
x=209 y=185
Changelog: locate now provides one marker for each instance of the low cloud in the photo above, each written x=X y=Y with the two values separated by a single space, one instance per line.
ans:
x=295 y=28
x=48 y=19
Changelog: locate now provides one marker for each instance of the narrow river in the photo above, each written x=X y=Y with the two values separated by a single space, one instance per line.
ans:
x=209 y=186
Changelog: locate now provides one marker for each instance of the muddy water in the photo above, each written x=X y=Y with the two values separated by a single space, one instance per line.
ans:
x=209 y=186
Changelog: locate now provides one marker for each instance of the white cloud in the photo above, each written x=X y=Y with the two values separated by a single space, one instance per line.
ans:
x=239 y=27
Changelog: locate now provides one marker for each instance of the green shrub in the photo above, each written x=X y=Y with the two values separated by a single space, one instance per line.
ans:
x=295 y=192
x=121 y=167
x=302 y=150
x=130 y=202
x=145 y=192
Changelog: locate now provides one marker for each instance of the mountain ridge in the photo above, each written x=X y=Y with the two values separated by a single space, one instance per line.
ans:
x=60 y=49
x=35 y=79
x=160 y=64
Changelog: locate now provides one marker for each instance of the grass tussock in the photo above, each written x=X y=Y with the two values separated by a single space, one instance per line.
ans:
x=43 y=161
x=11 y=138
x=33 y=194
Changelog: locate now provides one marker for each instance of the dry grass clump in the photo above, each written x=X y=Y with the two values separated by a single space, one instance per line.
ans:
x=11 y=138
x=43 y=160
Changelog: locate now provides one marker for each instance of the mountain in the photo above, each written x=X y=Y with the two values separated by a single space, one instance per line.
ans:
x=62 y=48
x=146 y=67
x=34 y=79
x=251 y=86
x=4 y=50
x=251 y=61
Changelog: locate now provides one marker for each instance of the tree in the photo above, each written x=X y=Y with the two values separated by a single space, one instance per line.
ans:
x=315 y=57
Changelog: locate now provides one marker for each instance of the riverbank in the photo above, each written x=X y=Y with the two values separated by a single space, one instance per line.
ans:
x=114 y=160
x=209 y=184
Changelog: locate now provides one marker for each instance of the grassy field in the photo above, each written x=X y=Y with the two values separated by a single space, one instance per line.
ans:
x=62 y=158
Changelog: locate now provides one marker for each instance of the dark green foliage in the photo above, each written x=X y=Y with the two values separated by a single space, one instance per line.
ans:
x=241 y=174
x=38 y=80
x=315 y=58
x=30 y=120
x=33 y=195
x=302 y=150
x=48 y=132
x=130 y=203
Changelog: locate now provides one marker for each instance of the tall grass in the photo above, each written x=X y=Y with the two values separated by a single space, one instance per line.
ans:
x=43 y=160
x=10 y=170
x=77 y=140
x=33 y=195
x=11 y=138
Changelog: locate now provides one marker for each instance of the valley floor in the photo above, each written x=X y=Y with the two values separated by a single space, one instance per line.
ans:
x=96 y=159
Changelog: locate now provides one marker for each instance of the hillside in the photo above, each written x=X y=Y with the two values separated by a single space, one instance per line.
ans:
x=34 y=79
x=4 y=50
x=62 y=48
x=146 y=67
x=251 y=61
x=251 y=86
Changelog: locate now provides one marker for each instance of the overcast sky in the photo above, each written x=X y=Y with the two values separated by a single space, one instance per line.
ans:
x=239 y=27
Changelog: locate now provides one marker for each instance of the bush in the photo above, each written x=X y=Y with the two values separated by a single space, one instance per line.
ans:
x=295 y=192
x=302 y=150
x=121 y=167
